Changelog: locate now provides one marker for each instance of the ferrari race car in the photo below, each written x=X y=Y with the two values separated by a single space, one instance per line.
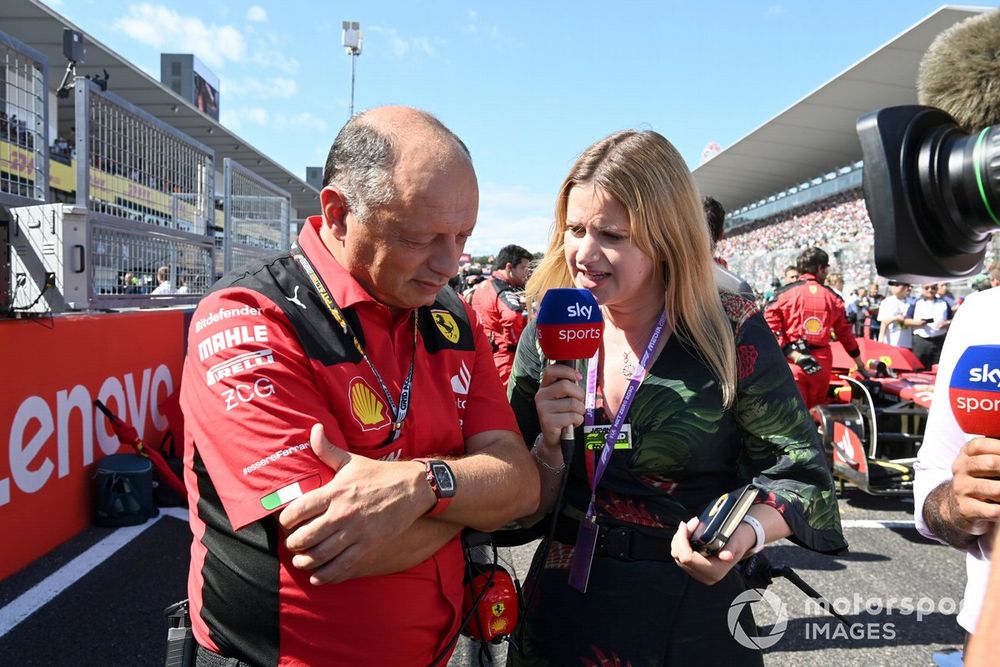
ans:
x=873 y=427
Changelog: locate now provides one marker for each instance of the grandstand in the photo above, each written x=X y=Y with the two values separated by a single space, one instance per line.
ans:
x=795 y=180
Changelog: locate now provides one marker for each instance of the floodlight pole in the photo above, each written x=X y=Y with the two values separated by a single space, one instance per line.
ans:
x=351 y=39
x=354 y=60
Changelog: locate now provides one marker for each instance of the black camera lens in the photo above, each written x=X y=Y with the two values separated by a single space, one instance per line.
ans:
x=932 y=191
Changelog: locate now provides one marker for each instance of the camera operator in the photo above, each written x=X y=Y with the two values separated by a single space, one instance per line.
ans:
x=956 y=487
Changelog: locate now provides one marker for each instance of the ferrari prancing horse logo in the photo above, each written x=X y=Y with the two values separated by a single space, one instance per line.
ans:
x=446 y=324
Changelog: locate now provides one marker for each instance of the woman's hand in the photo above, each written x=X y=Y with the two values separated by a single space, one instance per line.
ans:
x=559 y=402
x=710 y=570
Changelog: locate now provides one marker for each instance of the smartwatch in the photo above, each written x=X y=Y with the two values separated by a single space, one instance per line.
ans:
x=442 y=482
x=758 y=530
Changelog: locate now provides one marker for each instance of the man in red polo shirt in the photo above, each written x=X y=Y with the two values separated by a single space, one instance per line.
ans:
x=500 y=306
x=803 y=316
x=344 y=420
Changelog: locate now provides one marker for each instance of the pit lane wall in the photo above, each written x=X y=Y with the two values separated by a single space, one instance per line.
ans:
x=53 y=369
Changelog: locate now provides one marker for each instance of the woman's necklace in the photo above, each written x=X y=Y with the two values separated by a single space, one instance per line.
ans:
x=628 y=364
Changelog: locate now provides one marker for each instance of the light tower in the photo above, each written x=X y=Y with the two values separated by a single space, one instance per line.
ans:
x=351 y=38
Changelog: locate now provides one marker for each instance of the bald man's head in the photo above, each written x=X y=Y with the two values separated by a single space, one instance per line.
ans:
x=368 y=150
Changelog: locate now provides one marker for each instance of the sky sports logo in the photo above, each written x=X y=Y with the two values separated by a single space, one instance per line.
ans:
x=978 y=369
x=974 y=389
x=986 y=375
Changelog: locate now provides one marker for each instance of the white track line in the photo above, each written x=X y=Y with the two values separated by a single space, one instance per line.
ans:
x=876 y=523
x=44 y=591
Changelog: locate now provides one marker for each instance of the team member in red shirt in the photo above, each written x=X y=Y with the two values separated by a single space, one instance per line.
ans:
x=344 y=420
x=803 y=316
x=500 y=307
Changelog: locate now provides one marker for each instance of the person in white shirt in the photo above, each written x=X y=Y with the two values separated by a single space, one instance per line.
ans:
x=956 y=489
x=895 y=314
x=929 y=336
x=164 y=284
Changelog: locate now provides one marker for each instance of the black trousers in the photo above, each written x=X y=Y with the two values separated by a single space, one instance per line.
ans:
x=928 y=350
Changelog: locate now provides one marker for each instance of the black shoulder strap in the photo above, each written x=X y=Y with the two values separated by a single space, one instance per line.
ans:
x=510 y=296
x=282 y=281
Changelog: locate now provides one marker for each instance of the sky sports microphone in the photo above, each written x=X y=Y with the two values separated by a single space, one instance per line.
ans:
x=974 y=390
x=570 y=326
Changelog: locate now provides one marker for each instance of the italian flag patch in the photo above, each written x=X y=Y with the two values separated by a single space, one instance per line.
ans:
x=287 y=494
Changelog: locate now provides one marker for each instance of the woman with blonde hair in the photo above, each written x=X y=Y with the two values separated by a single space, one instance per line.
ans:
x=715 y=408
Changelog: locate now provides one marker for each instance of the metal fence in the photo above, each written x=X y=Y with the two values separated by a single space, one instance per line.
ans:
x=257 y=216
x=149 y=189
x=127 y=260
x=134 y=166
x=65 y=257
x=142 y=231
x=24 y=162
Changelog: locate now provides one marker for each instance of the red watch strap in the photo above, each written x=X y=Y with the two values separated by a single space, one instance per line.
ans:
x=442 y=502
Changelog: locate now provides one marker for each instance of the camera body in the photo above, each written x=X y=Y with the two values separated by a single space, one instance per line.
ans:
x=932 y=192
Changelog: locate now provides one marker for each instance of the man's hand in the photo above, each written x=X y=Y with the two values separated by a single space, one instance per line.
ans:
x=965 y=507
x=331 y=530
x=976 y=483
x=806 y=362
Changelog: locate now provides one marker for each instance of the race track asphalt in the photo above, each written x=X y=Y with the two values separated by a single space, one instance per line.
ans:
x=112 y=613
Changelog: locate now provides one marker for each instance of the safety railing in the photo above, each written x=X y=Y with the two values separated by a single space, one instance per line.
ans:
x=133 y=166
x=257 y=215
x=137 y=262
x=24 y=162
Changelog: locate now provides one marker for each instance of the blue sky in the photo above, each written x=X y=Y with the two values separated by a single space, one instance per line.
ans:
x=527 y=85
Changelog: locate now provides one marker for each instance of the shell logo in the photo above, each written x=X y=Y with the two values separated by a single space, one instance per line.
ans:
x=446 y=324
x=812 y=325
x=499 y=625
x=367 y=408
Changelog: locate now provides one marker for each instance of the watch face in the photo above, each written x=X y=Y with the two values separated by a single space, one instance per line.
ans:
x=445 y=480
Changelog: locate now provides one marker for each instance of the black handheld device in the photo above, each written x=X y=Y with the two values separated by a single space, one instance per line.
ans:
x=721 y=518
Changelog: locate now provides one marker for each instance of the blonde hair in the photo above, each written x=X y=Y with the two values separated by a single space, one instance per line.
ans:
x=648 y=177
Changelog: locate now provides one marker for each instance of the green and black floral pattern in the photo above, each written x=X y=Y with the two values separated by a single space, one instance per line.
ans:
x=687 y=450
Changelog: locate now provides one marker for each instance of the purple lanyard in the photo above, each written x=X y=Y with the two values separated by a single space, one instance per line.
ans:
x=633 y=386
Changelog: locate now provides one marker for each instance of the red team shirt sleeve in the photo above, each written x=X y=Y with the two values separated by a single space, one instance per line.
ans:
x=250 y=401
x=775 y=318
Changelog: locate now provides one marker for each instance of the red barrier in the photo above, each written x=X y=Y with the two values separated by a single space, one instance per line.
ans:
x=55 y=368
